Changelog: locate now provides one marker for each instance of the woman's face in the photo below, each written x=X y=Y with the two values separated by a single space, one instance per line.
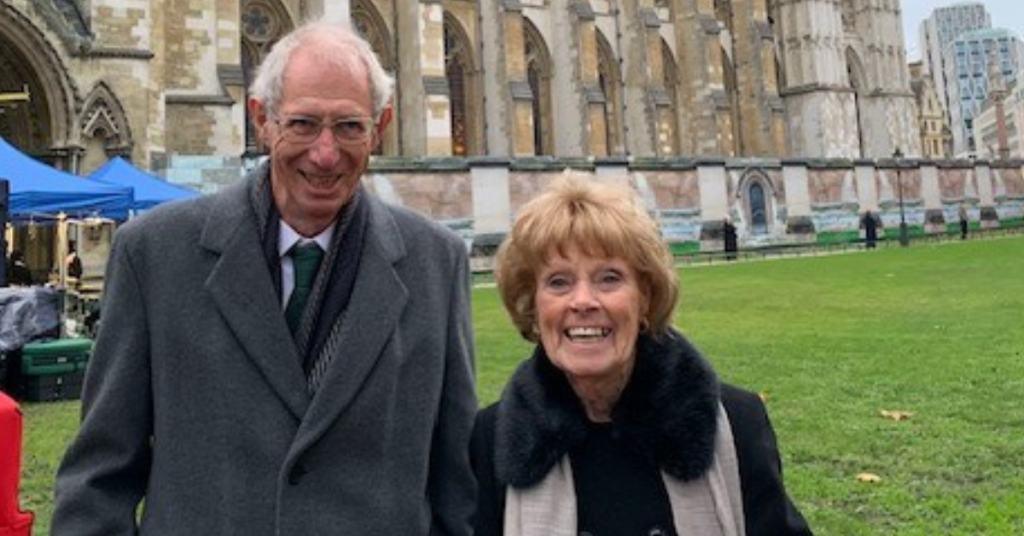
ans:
x=588 y=313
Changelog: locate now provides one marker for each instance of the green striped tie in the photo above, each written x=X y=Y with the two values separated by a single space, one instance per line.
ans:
x=305 y=262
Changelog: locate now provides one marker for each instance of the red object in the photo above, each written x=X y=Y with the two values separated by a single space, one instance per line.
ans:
x=13 y=522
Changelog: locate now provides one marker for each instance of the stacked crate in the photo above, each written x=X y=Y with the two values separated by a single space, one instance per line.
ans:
x=53 y=370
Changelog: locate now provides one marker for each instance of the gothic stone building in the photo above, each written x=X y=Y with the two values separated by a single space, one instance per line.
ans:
x=163 y=82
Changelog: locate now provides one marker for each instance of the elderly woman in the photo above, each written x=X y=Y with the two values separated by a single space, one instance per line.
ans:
x=616 y=425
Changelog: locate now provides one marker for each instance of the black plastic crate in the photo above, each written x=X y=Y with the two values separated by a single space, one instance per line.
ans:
x=52 y=387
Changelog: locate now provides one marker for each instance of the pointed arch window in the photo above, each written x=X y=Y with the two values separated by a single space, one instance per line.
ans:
x=538 y=75
x=757 y=195
x=758 y=209
x=609 y=79
x=459 y=70
x=670 y=79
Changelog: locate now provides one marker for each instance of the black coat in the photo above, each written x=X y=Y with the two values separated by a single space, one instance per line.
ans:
x=667 y=413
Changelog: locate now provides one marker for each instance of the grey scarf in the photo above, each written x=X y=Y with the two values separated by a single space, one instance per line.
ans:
x=711 y=505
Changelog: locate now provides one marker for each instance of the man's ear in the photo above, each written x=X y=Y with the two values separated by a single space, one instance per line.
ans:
x=382 y=123
x=258 y=116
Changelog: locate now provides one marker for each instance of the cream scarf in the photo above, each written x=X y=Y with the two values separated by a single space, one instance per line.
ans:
x=711 y=505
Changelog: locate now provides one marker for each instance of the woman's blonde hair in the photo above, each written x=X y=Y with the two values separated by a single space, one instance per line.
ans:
x=603 y=220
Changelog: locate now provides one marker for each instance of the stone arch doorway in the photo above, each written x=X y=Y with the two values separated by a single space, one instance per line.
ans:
x=37 y=114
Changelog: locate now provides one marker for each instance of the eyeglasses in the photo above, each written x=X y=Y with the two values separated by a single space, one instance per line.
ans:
x=348 y=131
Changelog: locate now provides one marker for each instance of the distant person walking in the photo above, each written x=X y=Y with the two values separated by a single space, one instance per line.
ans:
x=870 y=226
x=729 y=236
x=964 y=218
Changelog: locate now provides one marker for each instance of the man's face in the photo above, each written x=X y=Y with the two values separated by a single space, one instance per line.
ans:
x=314 y=174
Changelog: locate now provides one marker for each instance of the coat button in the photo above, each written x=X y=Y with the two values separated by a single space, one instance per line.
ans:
x=295 y=476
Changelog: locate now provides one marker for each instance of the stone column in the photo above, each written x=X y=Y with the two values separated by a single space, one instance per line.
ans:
x=497 y=105
x=492 y=212
x=229 y=72
x=570 y=95
x=425 y=108
x=867 y=190
x=594 y=99
x=713 y=183
x=438 y=118
x=798 y=200
x=509 y=101
x=754 y=61
x=986 y=200
x=931 y=194
x=156 y=89
x=645 y=102
x=702 y=88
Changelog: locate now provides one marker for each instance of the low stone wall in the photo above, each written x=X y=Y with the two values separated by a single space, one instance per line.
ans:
x=770 y=201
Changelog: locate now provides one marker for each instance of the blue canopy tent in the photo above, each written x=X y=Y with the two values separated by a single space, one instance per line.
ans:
x=38 y=190
x=149 y=190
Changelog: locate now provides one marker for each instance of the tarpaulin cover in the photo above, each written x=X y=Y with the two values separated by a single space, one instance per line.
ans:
x=27 y=314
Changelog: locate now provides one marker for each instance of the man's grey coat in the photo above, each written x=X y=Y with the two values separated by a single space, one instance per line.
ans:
x=195 y=400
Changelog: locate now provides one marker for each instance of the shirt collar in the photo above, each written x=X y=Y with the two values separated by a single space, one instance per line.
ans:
x=288 y=238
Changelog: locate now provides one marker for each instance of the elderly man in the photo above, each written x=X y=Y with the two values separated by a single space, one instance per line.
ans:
x=290 y=356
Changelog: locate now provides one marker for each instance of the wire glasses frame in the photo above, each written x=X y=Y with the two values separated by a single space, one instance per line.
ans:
x=306 y=130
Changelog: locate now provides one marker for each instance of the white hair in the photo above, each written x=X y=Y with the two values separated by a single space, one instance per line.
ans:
x=334 y=43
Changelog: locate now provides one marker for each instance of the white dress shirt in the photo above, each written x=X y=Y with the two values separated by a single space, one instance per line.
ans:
x=287 y=239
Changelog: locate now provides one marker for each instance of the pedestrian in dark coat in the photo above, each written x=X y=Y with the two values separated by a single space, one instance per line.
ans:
x=729 y=237
x=870 y=226
x=964 y=220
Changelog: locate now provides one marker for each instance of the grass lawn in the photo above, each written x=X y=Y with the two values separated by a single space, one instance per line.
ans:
x=936 y=330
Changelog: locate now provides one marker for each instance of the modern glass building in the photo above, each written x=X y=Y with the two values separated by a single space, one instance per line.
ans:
x=939 y=30
x=972 y=60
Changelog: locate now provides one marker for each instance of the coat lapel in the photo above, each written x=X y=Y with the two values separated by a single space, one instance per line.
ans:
x=241 y=287
x=377 y=302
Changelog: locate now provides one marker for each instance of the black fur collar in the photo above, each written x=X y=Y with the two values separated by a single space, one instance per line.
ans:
x=667 y=413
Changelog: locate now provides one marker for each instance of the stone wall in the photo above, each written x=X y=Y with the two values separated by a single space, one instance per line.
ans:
x=801 y=200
